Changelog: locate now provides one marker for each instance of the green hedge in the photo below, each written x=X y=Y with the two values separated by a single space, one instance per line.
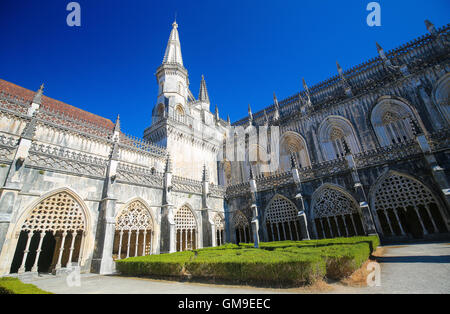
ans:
x=10 y=285
x=286 y=263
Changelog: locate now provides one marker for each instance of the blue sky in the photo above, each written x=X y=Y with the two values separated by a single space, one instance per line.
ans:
x=246 y=49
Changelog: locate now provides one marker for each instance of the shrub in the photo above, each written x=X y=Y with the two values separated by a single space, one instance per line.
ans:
x=10 y=285
x=285 y=263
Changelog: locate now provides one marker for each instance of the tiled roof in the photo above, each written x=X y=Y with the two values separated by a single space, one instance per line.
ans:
x=55 y=105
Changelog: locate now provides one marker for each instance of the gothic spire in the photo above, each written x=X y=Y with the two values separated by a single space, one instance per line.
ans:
x=305 y=87
x=228 y=119
x=430 y=27
x=38 y=95
x=173 y=50
x=203 y=94
x=250 y=114
x=217 y=113
x=168 y=164
x=277 y=107
x=339 y=68
x=117 y=124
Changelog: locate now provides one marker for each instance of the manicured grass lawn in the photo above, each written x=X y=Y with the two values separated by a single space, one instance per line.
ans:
x=10 y=285
x=275 y=263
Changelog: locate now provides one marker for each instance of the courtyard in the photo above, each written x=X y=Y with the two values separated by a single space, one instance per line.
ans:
x=409 y=268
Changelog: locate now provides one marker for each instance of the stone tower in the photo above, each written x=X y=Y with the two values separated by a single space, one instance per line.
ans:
x=192 y=134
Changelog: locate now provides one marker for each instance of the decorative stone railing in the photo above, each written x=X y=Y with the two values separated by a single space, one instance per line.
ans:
x=142 y=145
x=65 y=160
x=389 y=153
x=8 y=146
x=217 y=191
x=180 y=184
x=138 y=175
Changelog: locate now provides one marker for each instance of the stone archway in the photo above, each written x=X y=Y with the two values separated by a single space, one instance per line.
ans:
x=219 y=226
x=406 y=207
x=134 y=235
x=243 y=232
x=335 y=213
x=51 y=234
x=281 y=220
x=186 y=229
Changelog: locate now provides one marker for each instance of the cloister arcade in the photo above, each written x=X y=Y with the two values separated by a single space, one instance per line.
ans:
x=242 y=228
x=186 y=229
x=281 y=220
x=335 y=213
x=52 y=235
x=134 y=231
x=406 y=207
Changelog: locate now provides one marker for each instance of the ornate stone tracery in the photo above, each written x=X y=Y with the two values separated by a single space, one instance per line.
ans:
x=401 y=202
x=331 y=202
x=281 y=220
x=135 y=217
x=186 y=228
x=59 y=212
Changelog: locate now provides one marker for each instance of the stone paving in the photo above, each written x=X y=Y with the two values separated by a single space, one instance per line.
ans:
x=412 y=268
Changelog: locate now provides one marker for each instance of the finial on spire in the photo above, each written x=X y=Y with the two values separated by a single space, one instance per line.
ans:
x=205 y=176
x=228 y=119
x=38 y=95
x=117 y=124
x=430 y=27
x=168 y=164
x=339 y=68
x=203 y=94
x=250 y=114
x=379 y=48
x=275 y=100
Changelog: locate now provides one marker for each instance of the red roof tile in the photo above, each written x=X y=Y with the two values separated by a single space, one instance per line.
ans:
x=56 y=105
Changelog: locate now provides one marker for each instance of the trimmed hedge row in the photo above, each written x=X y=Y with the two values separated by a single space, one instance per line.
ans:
x=10 y=285
x=285 y=263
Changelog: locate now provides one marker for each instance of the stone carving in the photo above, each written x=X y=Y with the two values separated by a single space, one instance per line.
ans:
x=134 y=217
x=332 y=202
x=59 y=212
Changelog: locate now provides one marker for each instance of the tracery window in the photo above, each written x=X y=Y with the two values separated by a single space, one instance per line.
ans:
x=134 y=232
x=51 y=236
x=219 y=224
x=242 y=228
x=335 y=214
x=292 y=144
x=336 y=136
x=186 y=227
x=282 y=220
x=392 y=121
x=406 y=207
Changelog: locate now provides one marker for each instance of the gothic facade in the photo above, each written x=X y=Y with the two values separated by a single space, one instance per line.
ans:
x=364 y=152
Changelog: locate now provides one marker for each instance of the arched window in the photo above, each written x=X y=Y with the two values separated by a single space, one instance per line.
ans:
x=441 y=96
x=281 y=220
x=258 y=160
x=336 y=135
x=134 y=232
x=186 y=226
x=335 y=213
x=51 y=236
x=391 y=120
x=292 y=143
x=242 y=228
x=219 y=224
x=406 y=207
x=179 y=110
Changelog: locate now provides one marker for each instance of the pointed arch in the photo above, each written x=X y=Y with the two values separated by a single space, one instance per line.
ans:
x=135 y=230
x=334 y=133
x=186 y=225
x=335 y=212
x=293 y=143
x=241 y=226
x=219 y=227
x=60 y=217
x=281 y=219
x=405 y=206
x=441 y=96
x=391 y=119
